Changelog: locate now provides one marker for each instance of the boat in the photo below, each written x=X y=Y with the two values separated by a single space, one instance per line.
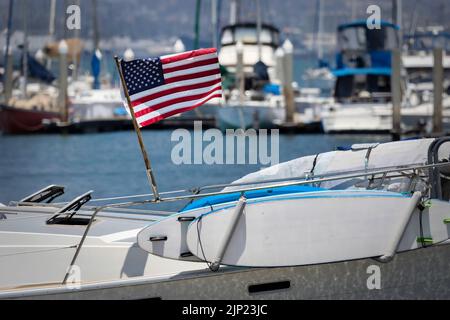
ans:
x=27 y=113
x=319 y=76
x=362 y=94
x=250 y=101
x=93 y=104
x=362 y=102
x=417 y=60
x=31 y=99
x=266 y=114
x=282 y=232
x=15 y=120
x=309 y=102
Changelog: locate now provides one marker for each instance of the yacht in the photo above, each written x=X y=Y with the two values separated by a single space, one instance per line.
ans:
x=418 y=63
x=362 y=94
x=254 y=105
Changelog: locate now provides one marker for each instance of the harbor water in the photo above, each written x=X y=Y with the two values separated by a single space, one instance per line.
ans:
x=111 y=163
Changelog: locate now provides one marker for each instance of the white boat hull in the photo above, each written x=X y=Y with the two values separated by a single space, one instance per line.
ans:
x=416 y=274
x=33 y=253
x=249 y=116
x=357 y=118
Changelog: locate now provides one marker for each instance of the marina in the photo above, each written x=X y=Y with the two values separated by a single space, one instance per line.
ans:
x=251 y=158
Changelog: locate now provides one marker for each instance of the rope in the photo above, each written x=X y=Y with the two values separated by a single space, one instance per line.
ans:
x=314 y=165
x=37 y=251
x=422 y=241
x=209 y=264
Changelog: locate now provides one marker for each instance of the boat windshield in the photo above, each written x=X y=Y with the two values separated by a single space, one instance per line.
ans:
x=248 y=35
x=364 y=39
x=427 y=41
x=363 y=88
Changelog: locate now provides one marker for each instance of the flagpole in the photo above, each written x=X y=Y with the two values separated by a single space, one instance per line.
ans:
x=151 y=178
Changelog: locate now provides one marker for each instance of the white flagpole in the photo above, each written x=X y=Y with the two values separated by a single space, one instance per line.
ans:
x=151 y=178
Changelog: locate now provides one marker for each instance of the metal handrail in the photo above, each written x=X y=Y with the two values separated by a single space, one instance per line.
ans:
x=271 y=186
x=198 y=190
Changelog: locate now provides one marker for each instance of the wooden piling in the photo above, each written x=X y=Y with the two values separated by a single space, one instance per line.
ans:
x=438 y=78
x=63 y=74
x=240 y=71
x=396 y=94
x=287 y=81
x=8 y=77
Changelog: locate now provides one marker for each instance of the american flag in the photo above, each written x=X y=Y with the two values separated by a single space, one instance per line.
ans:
x=164 y=86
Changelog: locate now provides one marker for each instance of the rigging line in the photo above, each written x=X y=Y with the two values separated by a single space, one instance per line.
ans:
x=284 y=183
x=314 y=164
x=125 y=197
x=197 y=191
x=37 y=251
x=209 y=264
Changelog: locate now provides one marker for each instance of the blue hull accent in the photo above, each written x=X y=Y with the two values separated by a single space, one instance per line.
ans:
x=213 y=200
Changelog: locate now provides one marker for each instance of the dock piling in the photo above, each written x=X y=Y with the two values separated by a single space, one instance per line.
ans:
x=8 y=80
x=287 y=80
x=396 y=94
x=438 y=78
x=240 y=71
x=63 y=74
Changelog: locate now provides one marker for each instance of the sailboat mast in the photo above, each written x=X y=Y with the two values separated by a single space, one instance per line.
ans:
x=234 y=12
x=51 y=28
x=51 y=25
x=95 y=23
x=7 y=63
x=353 y=10
x=258 y=28
x=197 y=24
x=25 y=48
x=214 y=22
x=397 y=17
x=75 y=60
x=96 y=57
x=9 y=30
x=319 y=30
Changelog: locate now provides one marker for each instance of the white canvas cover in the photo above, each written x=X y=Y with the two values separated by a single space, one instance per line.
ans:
x=391 y=154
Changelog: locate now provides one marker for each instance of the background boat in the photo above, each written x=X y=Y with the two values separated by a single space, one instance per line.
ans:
x=362 y=94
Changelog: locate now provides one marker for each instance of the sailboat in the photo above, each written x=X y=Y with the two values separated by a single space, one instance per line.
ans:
x=312 y=220
x=24 y=110
x=93 y=104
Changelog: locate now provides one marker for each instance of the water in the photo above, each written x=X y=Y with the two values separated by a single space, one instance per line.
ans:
x=111 y=163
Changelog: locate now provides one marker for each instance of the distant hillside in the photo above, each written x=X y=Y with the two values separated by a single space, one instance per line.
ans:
x=156 y=19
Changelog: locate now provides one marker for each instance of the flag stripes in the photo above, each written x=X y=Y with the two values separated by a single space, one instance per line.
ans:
x=187 y=81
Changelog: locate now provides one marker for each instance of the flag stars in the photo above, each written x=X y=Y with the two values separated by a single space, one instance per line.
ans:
x=143 y=74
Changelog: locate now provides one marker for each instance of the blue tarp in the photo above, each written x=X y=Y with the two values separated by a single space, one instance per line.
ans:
x=355 y=71
x=38 y=71
x=272 y=88
x=213 y=200
x=95 y=66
